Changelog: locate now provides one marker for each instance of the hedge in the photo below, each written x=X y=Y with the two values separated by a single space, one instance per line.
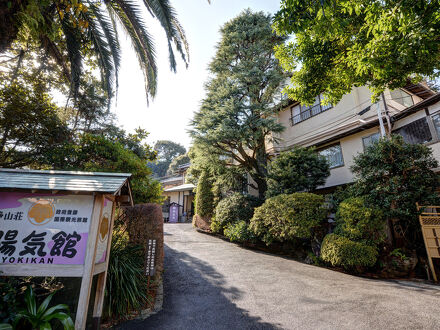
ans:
x=239 y=232
x=341 y=251
x=234 y=208
x=286 y=217
x=359 y=222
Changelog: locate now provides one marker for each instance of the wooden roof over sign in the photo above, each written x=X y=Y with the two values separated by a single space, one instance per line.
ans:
x=74 y=181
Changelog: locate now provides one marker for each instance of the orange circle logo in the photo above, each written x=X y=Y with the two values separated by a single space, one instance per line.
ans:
x=41 y=212
x=104 y=227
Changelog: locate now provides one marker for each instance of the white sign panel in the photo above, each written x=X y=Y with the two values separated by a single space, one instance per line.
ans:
x=44 y=228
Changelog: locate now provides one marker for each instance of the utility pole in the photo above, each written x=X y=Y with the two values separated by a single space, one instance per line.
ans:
x=379 y=115
x=387 y=115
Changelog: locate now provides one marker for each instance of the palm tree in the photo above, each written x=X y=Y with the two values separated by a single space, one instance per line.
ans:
x=72 y=30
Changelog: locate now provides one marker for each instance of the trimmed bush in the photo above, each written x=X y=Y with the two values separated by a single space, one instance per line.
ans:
x=216 y=226
x=239 y=232
x=235 y=208
x=204 y=203
x=286 y=217
x=358 y=222
x=301 y=169
x=341 y=251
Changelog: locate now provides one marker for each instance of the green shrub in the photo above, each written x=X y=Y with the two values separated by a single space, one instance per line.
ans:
x=239 y=232
x=126 y=287
x=341 y=251
x=234 y=208
x=204 y=203
x=394 y=176
x=301 y=169
x=41 y=317
x=285 y=217
x=9 y=289
x=359 y=222
x=216 y=226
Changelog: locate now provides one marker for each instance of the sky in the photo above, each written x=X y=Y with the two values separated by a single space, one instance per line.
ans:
x=179 y=95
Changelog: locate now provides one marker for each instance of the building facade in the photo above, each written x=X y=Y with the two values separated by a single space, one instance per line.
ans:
x=342 y=131
x=178 y=193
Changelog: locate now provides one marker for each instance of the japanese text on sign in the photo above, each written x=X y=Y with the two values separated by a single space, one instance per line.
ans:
x=151 y=254
x=43 y=228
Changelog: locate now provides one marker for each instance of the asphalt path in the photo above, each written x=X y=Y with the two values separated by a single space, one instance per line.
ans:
x=213 y=284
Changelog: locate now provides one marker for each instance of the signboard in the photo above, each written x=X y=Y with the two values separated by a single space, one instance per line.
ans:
x=150 y=268
x=174 y=213
x=59 y=223
x=44 y=228
x=430 y=222
x=104 y=231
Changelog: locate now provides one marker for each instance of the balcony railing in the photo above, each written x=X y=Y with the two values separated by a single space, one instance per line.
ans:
x=308 y=113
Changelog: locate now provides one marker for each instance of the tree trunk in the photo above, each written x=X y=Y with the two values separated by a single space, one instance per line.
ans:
x=8 y=20
x=260 y=176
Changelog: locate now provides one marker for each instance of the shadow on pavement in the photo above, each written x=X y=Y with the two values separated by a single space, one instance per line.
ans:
x=197 y=297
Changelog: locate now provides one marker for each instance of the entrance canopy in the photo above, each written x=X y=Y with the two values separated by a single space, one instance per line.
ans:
x=182 y=187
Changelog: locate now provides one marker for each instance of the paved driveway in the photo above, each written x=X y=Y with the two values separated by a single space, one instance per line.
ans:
x=212 y=284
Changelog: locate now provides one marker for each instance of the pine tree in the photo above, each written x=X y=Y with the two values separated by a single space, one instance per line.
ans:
x=237 y=116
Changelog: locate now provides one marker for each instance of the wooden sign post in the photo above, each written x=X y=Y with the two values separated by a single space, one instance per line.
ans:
x=57 y=233
x=430 y=222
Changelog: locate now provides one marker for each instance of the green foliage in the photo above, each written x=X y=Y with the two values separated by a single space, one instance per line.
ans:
x=71 y=32
x=237 y=207
x=166 y=152
x=236 y=116
x=286 y=217
x=40 y=317
x=339 y=195
x=98 y=153
x=239 y=232
x=301 y=169
x=126 y=287
x=341 y=251
x=176 y=162
x=359 y=222
x=204 y=198
x=226 y=179
x=399 y=253
x=29 y=125
x=216 y=226
x=9 y=288
x=340 y=44
x=394 y=176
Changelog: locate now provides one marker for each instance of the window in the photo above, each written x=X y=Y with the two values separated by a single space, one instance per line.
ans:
x=369 y=140
x=300 y=113
x=416 y=132
x=333 y=154
x=402 y=97
x=436 y=121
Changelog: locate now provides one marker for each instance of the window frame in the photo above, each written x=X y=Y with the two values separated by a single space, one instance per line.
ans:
x=309 y=111
x=431 y=129
x=366 y=137
x=342 y=155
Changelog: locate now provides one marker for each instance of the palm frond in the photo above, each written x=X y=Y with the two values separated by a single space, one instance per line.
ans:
x=130 y=16
x=109 y=28
x=166 y=15
x=106 y=47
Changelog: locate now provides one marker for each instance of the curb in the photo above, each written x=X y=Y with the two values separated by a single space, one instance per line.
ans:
x=158 y=304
